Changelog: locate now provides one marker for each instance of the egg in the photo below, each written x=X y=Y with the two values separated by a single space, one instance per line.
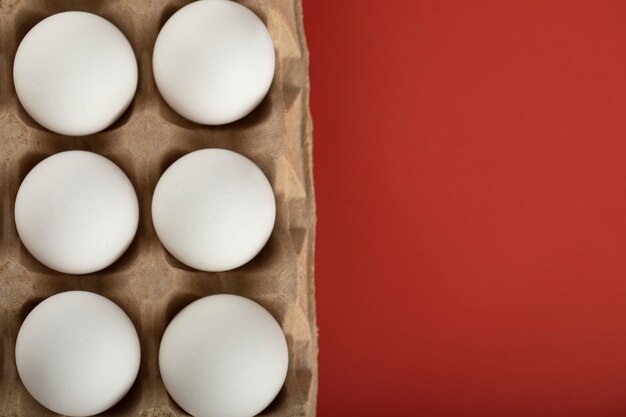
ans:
x=213 y=209
x=77 y=353
x=75 y=73
x=223 y=356
x=76 y=212
x=213 y=61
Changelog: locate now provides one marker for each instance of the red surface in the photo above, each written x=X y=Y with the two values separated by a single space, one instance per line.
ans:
x=471 y=184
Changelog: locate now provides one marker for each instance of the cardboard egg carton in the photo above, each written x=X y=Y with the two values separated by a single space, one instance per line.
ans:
x=148 y=283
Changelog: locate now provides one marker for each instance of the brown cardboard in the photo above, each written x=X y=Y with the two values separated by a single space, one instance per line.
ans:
x=146 y=282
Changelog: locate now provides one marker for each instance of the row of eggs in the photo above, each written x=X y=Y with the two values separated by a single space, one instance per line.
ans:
x=78 y=354
x=75 y=73
x=77 y=212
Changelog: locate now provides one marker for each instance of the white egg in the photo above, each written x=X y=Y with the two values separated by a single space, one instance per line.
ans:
x=77 y=353
x=75 y=73
x=213 y=209
x=223 y=356
x=213 y=61
x=76 y=212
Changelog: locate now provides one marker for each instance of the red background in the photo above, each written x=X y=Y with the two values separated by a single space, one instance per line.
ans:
x=471 y=189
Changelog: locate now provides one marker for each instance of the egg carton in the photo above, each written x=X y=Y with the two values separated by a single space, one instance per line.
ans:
x=149 y=284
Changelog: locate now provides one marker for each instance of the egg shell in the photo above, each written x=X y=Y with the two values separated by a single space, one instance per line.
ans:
x=213 y=209
x=76 y=212
x=77 y=353
x=223 y=356
x=75 y=73
x=213 y=61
